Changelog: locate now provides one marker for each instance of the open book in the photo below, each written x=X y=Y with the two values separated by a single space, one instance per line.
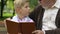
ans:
x=22 y=27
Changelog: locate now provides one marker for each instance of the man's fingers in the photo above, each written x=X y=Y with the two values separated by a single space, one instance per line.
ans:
x=34 y=32
x=19 y=33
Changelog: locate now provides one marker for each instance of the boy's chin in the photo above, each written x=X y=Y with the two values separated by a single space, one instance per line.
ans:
x=26 y=15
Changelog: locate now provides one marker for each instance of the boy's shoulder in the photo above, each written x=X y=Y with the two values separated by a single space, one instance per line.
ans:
x=14 y=18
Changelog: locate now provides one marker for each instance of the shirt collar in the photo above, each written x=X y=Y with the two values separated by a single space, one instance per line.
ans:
x=23 y=18
x=57 y=4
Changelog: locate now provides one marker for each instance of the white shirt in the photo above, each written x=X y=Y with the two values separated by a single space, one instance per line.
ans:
x=26 y=19
x=50 y=16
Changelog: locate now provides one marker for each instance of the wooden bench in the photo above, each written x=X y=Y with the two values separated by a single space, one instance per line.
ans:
x=1 y=24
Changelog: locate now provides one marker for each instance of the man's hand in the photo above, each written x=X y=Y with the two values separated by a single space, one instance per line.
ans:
x=38 y=32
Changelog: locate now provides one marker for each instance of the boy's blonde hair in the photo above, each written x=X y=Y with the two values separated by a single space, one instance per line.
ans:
x=20 y=3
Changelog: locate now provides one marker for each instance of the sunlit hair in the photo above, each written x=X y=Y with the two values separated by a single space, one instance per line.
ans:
x=20 y=3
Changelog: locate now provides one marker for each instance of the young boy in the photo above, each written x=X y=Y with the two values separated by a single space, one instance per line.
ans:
x=22 y=10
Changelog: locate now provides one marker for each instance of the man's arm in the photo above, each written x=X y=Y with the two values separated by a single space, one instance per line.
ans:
x=56 y=31
x=33 y=15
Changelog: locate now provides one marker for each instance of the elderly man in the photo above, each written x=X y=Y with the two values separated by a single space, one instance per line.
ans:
x=47 y=17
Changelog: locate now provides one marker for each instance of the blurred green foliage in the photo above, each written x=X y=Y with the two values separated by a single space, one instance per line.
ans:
x=10 y=4
x=33 y=3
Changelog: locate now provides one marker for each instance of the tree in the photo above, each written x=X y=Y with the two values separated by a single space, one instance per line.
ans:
x=33 y=3
x=3 y=2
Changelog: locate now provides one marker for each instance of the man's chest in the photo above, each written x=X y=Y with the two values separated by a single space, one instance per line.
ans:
x=50 y=15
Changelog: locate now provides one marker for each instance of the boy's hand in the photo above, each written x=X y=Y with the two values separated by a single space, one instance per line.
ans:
x=5 y=22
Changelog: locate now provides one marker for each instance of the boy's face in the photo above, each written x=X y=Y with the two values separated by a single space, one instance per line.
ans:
x=24 y=10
